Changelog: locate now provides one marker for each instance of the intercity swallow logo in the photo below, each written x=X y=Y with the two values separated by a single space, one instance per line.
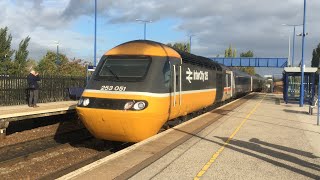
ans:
x=189 y=73
x=197 y=75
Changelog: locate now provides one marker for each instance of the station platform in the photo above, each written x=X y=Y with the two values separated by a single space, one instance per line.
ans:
x=262 y=138
x=22 y=112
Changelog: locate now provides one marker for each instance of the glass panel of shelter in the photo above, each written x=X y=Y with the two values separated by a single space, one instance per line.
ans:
x=294 y=82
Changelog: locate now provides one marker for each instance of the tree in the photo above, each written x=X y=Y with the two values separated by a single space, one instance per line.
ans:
x=5 y=50
x=31 y=64
x=74 y=68
x=247 y=54
x=230 y=52
x=48 y=66
x=249 y=70
x=21 y=56
x=315 y=56
x=180 y=46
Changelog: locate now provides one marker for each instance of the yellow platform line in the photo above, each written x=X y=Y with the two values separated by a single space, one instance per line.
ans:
x=216 y=154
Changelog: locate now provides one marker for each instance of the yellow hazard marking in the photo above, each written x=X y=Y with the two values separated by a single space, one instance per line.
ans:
x=215 y=155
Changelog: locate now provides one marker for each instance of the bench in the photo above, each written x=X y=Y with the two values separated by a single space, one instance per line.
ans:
x=75 y=92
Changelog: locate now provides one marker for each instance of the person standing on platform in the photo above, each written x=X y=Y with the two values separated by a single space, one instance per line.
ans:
x=33 y=79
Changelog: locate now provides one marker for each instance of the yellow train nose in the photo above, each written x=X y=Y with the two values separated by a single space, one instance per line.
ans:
x=121 y=125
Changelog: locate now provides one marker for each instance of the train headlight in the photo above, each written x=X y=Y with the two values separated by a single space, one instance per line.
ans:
x=139 y=105
x=128 y=105
x=80 y=102
x=85 y=102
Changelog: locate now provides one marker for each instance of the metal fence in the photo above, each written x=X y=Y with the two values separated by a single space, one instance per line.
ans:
x=14 y=89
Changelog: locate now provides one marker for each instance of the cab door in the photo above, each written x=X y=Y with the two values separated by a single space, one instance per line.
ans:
x=176 y=89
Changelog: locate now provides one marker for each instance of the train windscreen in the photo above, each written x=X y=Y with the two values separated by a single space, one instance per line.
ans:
x=125 y=69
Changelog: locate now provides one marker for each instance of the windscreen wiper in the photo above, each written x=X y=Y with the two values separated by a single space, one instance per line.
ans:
x=113 y=73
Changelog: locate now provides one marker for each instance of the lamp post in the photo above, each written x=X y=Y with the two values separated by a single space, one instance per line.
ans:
x=288 y=63
x=293 y=40
x=95 y=34
x=57 y=61
x=190 y=38
x=145 y=25
x=302 y=60
x=318 y=113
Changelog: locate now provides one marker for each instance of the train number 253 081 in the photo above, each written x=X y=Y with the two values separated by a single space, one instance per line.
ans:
x=113 y=88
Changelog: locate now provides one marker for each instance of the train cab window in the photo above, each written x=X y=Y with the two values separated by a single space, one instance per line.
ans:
x=125 y=69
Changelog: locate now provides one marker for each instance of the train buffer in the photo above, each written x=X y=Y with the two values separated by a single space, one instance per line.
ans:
x=23 y=112
x=255 y=138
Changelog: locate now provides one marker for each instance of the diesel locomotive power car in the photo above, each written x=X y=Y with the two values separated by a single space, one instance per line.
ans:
x=140 y=85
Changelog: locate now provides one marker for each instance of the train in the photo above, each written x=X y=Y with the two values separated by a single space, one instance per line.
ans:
x=140 y=85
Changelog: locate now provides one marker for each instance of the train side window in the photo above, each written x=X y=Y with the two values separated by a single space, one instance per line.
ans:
x=167 y=74
x=177 y=76
x=226 y=84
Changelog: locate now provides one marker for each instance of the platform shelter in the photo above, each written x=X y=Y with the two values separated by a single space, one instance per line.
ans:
x=292 y=82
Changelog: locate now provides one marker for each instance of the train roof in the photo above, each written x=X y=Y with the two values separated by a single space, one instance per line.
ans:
x=240 y=73
x=143 y=47
x=198 y=60
x=152 y=48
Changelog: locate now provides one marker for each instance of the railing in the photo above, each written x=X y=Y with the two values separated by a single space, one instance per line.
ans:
x=14 y=89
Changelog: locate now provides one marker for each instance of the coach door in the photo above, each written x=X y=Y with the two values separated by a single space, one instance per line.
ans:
x=228 y=84
x=176 y=88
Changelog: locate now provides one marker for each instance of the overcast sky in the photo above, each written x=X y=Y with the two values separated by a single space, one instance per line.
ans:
x=247 y=25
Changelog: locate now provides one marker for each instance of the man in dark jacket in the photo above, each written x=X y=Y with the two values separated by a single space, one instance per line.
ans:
x=33 y=79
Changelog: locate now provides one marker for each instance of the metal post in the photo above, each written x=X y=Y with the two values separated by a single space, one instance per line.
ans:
x=58 y=54
x=95 y=33
x=87 y=74
x=318 y=121
x=190 y=42
x=294 y=35
x=144 y=26
x=302 y=60
x=288 y=62
x=145 y=29
x=293 y=42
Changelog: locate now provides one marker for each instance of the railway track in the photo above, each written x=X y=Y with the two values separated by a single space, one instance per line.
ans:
x=24 y=150
x=52 y=157
x=50 y=147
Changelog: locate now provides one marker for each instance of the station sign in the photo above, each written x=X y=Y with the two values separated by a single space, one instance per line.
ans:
x=91 y=68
